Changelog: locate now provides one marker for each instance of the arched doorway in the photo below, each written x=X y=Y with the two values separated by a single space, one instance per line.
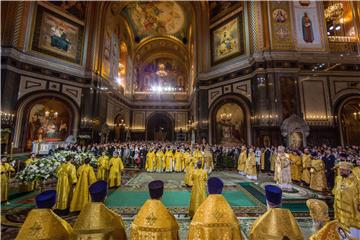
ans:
x=50 y=114
x=230 y=121
x=230 y=126
x=46 y=119
x=159 y=127
x=349 y=121
x=120 y=131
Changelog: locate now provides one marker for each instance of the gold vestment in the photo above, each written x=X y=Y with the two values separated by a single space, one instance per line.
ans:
x=159 y=161
x=98 y=222
x=44 y=224
x=5 y=176
x=81 y=193
x=103 y=168
x=295 y=167
x=242 y=161
x=66 y=177
x=169 y=156
x=214 y=220
x=346 y=201
x=155 y=222
x=250 y=168
x=306 y=164
x=198 y=191
x=330 y=231
x=150 y=161
x=275 y=224
x=189 y=169
x=116 y=166
x=318 y=178
x=178 y=161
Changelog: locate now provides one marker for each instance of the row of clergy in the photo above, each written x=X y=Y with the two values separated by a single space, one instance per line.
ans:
x=178 y=161
x=76 y=198
x=213 y=220
x=307 y=168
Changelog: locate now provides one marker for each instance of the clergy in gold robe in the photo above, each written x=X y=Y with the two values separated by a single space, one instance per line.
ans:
x=198 y=156
x=66 y=178
x=150 y=162
x=189 y=169
x=6 y=169
x=347 y=199
x=160 y=160
x=169 y=157
x=154 y=221
x=86 y=177
x=296 y=165
x=42 y=223
x=198 y=191
x=242 y=161
x=324 y=230
x=276 y=223
x=306 y=165
x=178 y=157
x=319 y=212
x=96 y=221
x=116 y=167
x=317 y=173
x=214 y=219
x=250 y=166
x=103 y=167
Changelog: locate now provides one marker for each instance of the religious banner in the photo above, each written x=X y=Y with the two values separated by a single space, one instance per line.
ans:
x=308 y=30
x=281 y=31
x=57 y=36
x=227 y=39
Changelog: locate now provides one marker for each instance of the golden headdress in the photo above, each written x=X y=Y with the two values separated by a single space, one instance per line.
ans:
x=319 y=210
x=345 y=165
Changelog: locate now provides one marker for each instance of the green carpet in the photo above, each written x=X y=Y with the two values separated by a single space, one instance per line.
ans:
x=293 y=205
x=171 y=199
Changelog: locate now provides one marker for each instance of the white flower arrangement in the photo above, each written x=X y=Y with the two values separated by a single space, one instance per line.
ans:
x=45 y=168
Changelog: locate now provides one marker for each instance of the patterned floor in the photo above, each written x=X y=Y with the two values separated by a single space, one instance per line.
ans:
x=246 y=198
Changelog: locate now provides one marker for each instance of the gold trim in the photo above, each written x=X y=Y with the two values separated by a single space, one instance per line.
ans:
x=61 y=12
x=149 y=39
x=321 y=29
x=34 y=17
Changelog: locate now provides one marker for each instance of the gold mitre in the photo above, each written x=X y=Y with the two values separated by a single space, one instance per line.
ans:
x=319 y=210
x=345 y=165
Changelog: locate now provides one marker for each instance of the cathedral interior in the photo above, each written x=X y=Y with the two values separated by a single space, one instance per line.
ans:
x=262 y=73
x=119 y=70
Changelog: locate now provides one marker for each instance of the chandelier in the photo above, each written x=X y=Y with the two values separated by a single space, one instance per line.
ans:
x=334 y=11
x=225 y=117
x=51 y=114
x=161 y=72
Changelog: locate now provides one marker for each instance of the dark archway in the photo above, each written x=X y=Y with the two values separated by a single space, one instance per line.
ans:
x=46 y=119
x=244 y=135
x=119 y=128
x=159 y=127
x=349 y=121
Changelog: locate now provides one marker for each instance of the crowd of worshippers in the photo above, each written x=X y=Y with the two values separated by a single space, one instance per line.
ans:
x=315 y=167
x=212 y=219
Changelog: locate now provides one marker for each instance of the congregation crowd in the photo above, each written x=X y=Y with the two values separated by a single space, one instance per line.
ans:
x=323 y=169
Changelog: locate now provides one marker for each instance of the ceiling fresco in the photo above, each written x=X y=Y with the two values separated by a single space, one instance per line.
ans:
x=157 y=19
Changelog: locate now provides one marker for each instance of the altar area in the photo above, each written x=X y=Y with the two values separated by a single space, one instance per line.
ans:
x=43 y=148
x=247 y=198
